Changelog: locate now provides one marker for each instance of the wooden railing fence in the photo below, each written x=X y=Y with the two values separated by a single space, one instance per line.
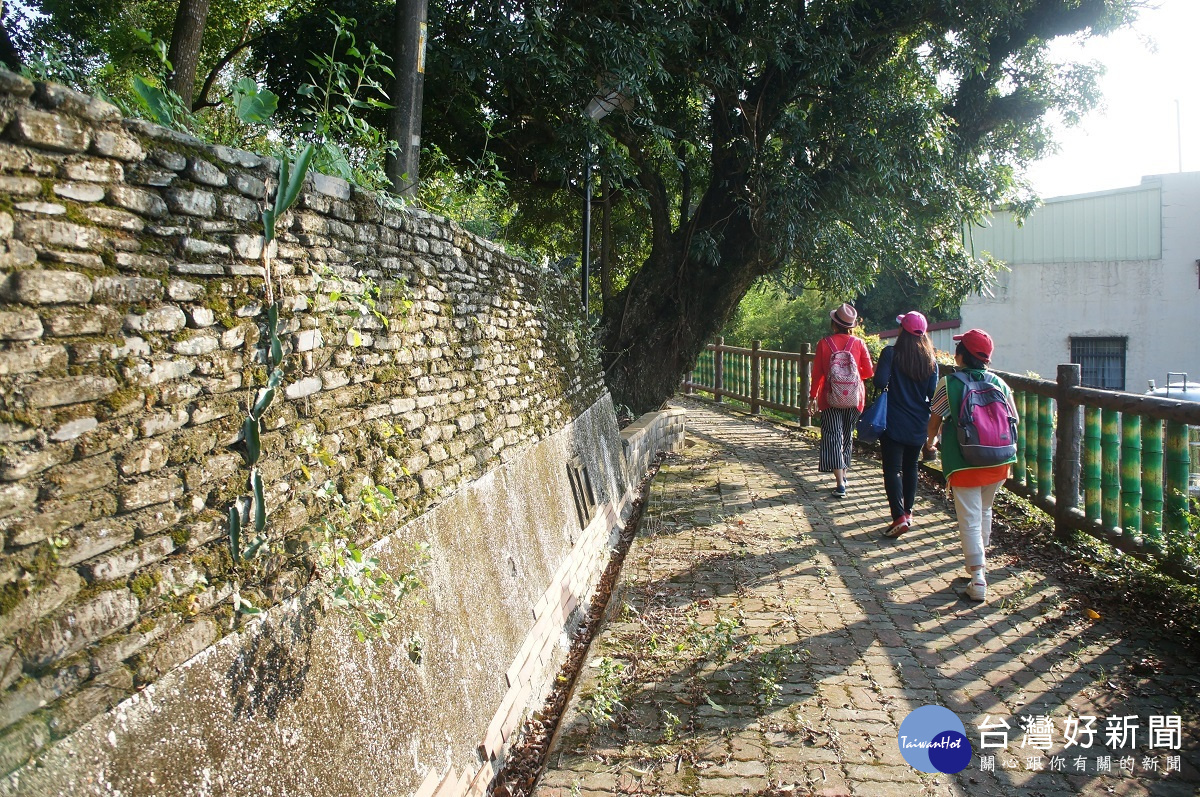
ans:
x=775 y=380
x=1117 y=466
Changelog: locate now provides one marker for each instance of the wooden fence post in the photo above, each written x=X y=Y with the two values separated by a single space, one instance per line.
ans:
x=755 y=376
x=1068 y=448
x=805 y=381
x=719 y=369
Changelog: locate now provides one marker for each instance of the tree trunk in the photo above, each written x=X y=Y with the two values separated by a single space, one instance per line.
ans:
x=8 y=53
x=185 y=47
x=654 y=330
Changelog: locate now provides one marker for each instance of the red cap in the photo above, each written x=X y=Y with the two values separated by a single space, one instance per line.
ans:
x=978 y=342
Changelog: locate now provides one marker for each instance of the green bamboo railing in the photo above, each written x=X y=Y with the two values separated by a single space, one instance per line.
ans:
x=1091 y=463
x=1152 y=482
x=764 y=379
x=1019 y=470
x=1113 y=465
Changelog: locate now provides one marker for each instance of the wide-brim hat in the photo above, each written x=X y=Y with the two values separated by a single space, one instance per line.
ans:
x=978 y=342
x=845 y=316
x=913 y=322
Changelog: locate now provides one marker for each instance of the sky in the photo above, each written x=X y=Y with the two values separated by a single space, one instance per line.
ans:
x=1133 y=133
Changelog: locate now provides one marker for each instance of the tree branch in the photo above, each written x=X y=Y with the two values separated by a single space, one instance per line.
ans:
x=202 y=100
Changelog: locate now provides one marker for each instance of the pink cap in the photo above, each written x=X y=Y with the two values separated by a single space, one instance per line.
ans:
x=913 y=322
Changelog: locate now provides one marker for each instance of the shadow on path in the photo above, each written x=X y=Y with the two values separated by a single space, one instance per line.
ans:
x=765 y=639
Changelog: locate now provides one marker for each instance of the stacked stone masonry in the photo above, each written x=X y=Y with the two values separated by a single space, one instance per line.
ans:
x=132 y=343
x=648 y=435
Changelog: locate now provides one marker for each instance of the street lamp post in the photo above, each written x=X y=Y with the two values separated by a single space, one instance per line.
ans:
x=603 y=103
x=587 y=224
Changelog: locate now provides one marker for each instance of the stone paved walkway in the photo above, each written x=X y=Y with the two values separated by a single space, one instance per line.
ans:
x=765 y=639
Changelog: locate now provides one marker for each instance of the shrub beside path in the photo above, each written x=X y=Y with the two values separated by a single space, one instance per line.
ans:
x=765 y=639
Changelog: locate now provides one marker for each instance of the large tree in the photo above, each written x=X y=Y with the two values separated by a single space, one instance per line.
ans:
x=832 y=139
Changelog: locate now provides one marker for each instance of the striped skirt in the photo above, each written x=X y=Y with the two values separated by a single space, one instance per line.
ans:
x=837 y=438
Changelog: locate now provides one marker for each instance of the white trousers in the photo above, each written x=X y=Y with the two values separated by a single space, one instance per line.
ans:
x=973 y=506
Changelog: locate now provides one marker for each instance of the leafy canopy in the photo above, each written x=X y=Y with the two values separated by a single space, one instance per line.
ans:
x=845 y=137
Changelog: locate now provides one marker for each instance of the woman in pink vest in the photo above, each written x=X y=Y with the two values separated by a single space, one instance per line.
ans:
x=840 y=365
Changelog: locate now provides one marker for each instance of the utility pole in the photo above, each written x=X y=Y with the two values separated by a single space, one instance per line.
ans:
x=404 y=126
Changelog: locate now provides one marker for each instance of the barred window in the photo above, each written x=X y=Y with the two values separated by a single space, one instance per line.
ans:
x=1101 y=360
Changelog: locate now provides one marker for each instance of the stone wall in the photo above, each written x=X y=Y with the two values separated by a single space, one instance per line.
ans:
x=132 y=324
x=653 y=432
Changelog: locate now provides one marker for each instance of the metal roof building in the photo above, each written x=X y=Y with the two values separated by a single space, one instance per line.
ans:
x=1108 y=279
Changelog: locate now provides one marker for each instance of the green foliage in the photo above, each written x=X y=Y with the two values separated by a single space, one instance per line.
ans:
x=769 y=672
x=348 y=81
x=1183 y=545
x=292 y=171
x=605 y=699
x=158 y=103
x=253 y=105
x=353 y=581
x=833 y=141
x=475 y=194
x=364 y=298
x=671 y=723
x=95 y=46
x=893 y=294
x=781 y=321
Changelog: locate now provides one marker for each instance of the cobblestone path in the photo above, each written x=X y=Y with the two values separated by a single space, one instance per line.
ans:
x=765 y=639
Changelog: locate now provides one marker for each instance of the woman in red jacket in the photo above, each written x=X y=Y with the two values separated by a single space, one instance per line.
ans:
x=840 y=360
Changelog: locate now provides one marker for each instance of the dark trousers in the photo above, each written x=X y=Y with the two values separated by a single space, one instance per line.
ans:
x=899 y=475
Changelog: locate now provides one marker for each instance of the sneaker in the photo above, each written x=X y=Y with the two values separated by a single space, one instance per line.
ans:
x=977 y=589
x=909 y=519
x=898 y=527
x=839 y=491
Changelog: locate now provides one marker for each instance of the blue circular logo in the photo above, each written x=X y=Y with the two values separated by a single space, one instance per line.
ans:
x=933 y=739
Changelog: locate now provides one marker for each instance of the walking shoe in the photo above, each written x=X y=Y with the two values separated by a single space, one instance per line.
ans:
x=898 y=527
x=977 y=589
x=839 y=491
x=909 y=519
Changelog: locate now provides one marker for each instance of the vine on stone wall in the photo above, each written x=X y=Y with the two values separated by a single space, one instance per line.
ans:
x=291 y=180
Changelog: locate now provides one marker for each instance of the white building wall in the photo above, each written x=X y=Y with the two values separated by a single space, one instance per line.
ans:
x=943 y=339
x=1037 y=308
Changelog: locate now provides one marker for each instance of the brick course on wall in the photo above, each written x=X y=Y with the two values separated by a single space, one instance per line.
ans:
x=132 y=343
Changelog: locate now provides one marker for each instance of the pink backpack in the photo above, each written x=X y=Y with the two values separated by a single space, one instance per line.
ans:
x=843 y=385
x=987 y=430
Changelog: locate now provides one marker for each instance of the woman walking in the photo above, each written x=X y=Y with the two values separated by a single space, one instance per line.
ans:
x=978 y=453
x=840 y=364
x=908 y=371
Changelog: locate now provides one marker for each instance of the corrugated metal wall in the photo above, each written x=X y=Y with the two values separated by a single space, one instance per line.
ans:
x=1114 y=225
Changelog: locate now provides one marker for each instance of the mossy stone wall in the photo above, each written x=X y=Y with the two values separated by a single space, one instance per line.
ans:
x=132 y=342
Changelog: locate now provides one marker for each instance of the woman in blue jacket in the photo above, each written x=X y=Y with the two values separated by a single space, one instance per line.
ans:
x=909 y=372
